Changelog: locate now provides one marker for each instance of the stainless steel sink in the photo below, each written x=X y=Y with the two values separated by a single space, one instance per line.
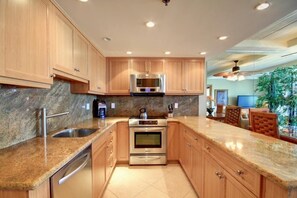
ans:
x=74 y=132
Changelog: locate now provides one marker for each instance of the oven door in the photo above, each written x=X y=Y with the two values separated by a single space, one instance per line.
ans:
x=145 y=140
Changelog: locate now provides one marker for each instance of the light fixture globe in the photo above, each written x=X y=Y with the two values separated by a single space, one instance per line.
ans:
x=166 y=2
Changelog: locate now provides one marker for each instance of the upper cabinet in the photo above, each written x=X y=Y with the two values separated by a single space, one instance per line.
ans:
x=147 y=66
x=69 y=49
x=184 y=76
x=24 y=39
x=118 y=76
x=97 y=70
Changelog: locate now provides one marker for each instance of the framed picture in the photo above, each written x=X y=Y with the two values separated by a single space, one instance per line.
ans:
x=221 y=96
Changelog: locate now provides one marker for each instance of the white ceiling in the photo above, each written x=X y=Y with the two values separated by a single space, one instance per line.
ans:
x=184 y=27
x=275 y=45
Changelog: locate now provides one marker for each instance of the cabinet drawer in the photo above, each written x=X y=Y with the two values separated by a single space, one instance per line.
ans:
x=244 y=174
x=196 y=140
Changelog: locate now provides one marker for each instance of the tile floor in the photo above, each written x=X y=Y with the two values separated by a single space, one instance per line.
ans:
x=149 y=182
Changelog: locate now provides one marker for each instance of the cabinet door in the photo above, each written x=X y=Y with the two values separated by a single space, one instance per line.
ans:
x=197 y=170
x=173 y=141
x=122 y=141
x=194 y=76
x=24 y=42
x=174 y=81
x=93 y=65
x=138 y=66
x=181 y=143
x=119 y=76
x=234 y=189
x=156 y=66
x=101 y=78
x=62 y=43
x=214 y=181
x=80 y=55
x=98 y=168
x=188 y=156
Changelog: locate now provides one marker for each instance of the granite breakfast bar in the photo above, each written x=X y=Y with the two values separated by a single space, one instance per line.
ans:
x=30 y=164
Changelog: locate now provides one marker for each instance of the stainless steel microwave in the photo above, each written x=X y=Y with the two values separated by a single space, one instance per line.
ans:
x=147 y=84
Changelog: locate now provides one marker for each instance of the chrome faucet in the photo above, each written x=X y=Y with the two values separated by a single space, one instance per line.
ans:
x=44 y=118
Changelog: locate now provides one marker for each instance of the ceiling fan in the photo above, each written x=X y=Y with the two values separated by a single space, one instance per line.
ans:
x=235 y=74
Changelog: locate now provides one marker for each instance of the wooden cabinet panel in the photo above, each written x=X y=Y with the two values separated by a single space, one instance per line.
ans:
x=62 y=43
x=173 y=141
x=80 y=55
x=214 y=181
x=24 y=37
x=174 y=81
x=122 y=141
x=194 y=76
x=94 y=69
x=138 y=66
x=156 y=66
x=197 y=170
x=69 y=49
x=185 y=76
x=101 y=75
x=98 y=168
x=119 y=76
x=234 y=189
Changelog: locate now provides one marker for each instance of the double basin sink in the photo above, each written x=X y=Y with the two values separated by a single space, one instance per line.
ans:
x=74 y=132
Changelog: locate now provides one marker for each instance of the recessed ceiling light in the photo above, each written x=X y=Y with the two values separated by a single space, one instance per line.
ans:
x=83 y=0
x=128 y=52
x=106 y=39
x=263 y=6
x=167 y=52
x=150 y=24
x=223 y=38
x=202 y=53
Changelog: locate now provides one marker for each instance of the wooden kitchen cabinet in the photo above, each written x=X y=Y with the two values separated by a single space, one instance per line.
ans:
x=154 y=66
x=97 y=70
x=184 y=76
x=173 y=141
x=214 y=181
x=24 y=39
x=118 y=76
x=69 y=49
x=98 y=166
x=110 y=151
x=122 y=142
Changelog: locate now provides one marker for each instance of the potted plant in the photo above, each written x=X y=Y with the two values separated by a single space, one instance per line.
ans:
x=278 y=90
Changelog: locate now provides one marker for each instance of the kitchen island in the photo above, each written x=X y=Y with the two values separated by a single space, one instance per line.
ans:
x=271 y=162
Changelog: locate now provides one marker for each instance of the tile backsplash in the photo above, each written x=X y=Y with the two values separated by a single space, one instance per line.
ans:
x=20 y=110
x=156 y=106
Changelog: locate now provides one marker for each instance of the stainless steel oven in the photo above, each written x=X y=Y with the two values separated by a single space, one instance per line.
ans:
x=148 y=141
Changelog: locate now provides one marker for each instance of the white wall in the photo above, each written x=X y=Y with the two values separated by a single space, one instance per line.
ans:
x=245 y=87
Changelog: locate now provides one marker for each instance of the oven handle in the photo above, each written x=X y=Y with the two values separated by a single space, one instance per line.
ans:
x=149 y=157
x=147 y=129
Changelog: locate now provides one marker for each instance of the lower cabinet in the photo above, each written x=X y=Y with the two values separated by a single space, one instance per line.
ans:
x=98 y=164
x=214 y=180
x=173 y=141
x=122 y=142
x=103 y=160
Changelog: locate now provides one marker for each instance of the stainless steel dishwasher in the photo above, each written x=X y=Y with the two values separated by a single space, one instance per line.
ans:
x=74 y=180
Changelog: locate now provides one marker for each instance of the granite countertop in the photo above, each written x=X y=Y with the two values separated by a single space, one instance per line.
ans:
x=26 y=165
x=271 y=157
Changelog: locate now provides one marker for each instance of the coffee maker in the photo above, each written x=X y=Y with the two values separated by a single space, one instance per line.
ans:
x=99 y=109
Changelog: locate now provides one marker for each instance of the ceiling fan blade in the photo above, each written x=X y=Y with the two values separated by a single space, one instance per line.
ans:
x=222 y=74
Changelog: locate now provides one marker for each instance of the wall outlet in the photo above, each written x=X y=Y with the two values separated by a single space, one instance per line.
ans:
x=176 y=105
x=88 y=106
x=112 y=105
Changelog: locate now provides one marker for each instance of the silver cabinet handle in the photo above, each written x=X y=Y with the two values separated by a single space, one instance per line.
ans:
x=53 y=75
x=66 y=175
